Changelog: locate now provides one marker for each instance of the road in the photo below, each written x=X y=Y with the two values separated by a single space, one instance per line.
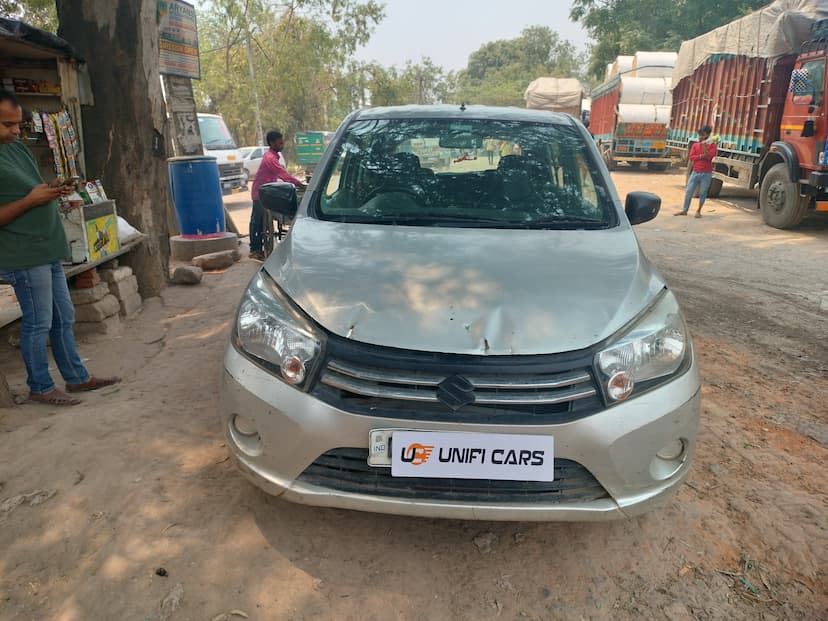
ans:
x=95 y=500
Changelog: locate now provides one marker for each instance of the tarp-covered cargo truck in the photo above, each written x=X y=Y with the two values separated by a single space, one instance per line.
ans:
x=760 y=82
x=555 y=95
x=629 y=118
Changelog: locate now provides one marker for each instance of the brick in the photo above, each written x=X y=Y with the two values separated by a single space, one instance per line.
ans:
x=187 y=275
x=130 y=305
x=97 y=311
x=124 y=288
x=115 y=275
x=88 y=296
x=87 y=279
x=111 y=326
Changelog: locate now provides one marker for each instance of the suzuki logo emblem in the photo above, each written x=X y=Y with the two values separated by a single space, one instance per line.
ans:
x=455 y=392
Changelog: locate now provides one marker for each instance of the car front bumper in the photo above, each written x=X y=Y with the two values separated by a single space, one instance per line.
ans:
x=617 y=445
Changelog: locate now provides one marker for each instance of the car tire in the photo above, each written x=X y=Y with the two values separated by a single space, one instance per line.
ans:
x=779 y=200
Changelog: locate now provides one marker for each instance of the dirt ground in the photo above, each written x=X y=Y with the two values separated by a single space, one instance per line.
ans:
x=95 y=499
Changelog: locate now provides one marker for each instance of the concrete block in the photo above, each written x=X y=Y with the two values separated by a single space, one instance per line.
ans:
x=130 y=305
x=115 y=275
x=184 y=249
x=111 y=326
x=216 y=260
x=124 y=288
x=97 y=311
x=89 y=296
x=187 y=275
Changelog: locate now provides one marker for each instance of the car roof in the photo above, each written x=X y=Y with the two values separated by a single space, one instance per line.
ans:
x=465 y=112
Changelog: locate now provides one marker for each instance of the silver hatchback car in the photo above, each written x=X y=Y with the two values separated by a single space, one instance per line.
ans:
x=461 y=324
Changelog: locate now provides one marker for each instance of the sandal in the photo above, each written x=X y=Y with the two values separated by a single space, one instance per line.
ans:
x=680 y=213
x=93 y=383
x=55 y=397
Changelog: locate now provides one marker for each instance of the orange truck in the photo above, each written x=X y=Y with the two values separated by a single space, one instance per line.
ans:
x=763 y=92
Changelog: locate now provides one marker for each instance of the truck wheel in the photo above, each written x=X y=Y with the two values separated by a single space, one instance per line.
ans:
x=782 y=206
x=715 y=188
x=658 y=166
x=635 y=165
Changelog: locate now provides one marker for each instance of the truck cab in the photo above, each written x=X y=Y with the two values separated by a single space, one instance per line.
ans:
x=219 y=143
x=794 y=172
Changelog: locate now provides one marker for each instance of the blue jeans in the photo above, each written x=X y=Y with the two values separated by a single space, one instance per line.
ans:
x=47 y=312
x=701 y=181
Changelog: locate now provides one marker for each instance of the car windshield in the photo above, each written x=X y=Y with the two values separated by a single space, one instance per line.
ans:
x=470 y=173
x=214 y=133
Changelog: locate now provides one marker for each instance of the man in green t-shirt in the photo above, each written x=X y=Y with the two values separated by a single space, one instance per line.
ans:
x=32 y=245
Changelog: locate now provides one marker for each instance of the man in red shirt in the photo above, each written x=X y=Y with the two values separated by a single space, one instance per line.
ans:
x=701 y=157
x=270 y=170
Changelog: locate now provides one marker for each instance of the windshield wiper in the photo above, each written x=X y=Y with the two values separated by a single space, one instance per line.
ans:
x=566 y=223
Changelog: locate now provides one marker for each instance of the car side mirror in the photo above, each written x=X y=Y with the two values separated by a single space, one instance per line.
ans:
x=642 y=207
x=279 y=197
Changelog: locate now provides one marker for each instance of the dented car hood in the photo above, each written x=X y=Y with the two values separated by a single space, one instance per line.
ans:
x=465 y=290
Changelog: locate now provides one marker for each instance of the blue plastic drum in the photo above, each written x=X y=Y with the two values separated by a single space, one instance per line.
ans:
x=196 y=192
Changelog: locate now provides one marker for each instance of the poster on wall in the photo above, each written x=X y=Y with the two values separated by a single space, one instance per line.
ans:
x=178 y=39
x=182 y=109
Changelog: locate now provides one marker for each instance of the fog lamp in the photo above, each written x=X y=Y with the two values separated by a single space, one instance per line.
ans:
x=620 y=386
x=293 y=370
x=671 y=451
x=244 y=426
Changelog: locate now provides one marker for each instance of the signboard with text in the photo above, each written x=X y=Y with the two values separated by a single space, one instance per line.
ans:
x=178 y=39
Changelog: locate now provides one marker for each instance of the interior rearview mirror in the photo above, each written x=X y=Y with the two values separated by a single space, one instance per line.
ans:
x=461 y=140
x=279 y=197
x=642 y=207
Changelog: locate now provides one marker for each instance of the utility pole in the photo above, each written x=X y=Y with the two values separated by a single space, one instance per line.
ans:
x=259 y=130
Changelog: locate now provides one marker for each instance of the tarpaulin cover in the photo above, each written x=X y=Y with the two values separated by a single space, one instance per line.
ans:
x=555 y=94
x=637 y=113
x=654 y=91
x=654 y=64
x=13 y=28
x=774 y=31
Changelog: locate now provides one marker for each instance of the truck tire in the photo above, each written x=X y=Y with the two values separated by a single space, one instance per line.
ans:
x=779 y=200
x=658 y=166
x=635 y=165
x=715 y=188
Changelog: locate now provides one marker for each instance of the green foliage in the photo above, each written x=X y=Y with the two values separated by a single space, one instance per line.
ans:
x=628 y=26
x=373 y=84
x=499 y=72
x=300 y=49
x=40 y=13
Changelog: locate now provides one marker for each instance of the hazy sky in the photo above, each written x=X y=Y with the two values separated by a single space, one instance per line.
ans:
x=448 y=31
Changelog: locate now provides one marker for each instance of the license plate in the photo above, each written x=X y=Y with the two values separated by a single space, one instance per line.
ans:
x=459 y=455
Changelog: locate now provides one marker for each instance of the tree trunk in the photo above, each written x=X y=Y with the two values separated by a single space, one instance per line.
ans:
x=6 y=399
x=119 y=40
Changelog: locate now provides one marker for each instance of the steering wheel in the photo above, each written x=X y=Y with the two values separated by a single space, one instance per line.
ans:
x=384 y=189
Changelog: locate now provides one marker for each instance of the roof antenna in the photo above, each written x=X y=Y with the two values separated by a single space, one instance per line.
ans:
x=463 y=107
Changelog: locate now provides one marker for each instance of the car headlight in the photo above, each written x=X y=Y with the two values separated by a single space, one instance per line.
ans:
x=653 y=348
x=270 y=329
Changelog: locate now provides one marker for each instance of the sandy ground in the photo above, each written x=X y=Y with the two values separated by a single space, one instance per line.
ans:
x=95 y=499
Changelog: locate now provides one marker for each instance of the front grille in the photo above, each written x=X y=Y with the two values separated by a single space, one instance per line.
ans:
x=230 y=170
x=502 y=389
x=347 y=470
